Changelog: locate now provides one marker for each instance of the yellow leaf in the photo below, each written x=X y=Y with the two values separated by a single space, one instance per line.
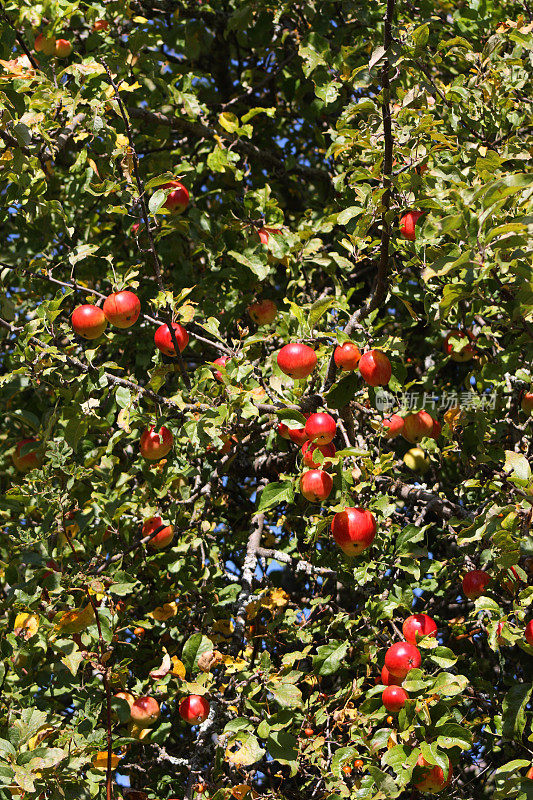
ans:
x=100 y=760
x=41 y=734
x=26 y=625
x=240 y=791
x=277 y=598
x=178 y=669
x=234 y=664
x=252 y=609
x=123 y=420
x=121 y=140
x=77 y=620
x=164 y=612
x=224 y=626
x=453 y=417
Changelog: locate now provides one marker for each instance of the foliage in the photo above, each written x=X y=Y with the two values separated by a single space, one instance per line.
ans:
x=272 y=114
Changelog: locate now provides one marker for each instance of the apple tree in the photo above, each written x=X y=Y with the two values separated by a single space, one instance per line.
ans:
x=266 y=336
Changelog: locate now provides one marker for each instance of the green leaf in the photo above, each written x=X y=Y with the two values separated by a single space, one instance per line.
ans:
x=156 y=201
x=282 y=746
x=329 y=658
x=254 y=263
x=318 y=309
x=514 y=710
x=453 y=735
x=286 y=694
x=275 y=493
x=443 y=656
x=193 y=649
x=518 y=465
x=343 y=391
x=229 y=121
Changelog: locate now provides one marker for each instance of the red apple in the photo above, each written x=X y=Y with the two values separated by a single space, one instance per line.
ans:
x=163 y=339
x=347 y=356
x=393 y=426
x=466 y=351
x=437 y=429
x=417 y=626
x=394 y=698
x=307 y=452
x=529 y=632
x=297 y=360
x=298 y=436
x=194 y=709
x=88 y=321
x=63 y=48
x=145 y=711
x=101 y=25
x=283 y=430
x=264 y=233
x=316 y=485
x=526 y=403
x=220 y=362
x=408 y=223
x=321 y=428
x=354 y=530
x=375 y=368
x=32 y=457
x=178 y=199
x=417 y=426
x=161 y=539
x=432 y=780
x=263 y=312
x=402 y=657
x=155 y=444
x=388 y=679
x=529 y=773
x=122 y=309
x=474 y=583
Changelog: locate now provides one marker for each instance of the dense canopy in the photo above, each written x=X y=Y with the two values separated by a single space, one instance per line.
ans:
x=213 y=545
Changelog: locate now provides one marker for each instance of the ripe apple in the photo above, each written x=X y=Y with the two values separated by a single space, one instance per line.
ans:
x=529 y=632
x=474 y=583
x=388 y=679
x=346 y=356
x=297 y=360
x=432 y=780
x=417 y=626
x=402 y=657
x=129 y=698
x=417 y=426
x=408 y=223
x=122 y=309
x=178 y=199
x=63 y=48
x=163 y=339
x=32 y=457
x=354 y=530
x=321 y=428
x=393 y=426
x=298 y=436
x=465 y=352
x=263 y=312
x=283 y=430
x=45 y=44
x=529 y=773
x=375 y=368
x=220 y=362
x=417 y=460
x=394 y=698
x=526 y=403
x=437 y=429
x=161 y=539
x=155 y=444
x=264 y=233
x=316 y=485
x=88 y=321
x=194 y=709
x=307 y=452
x=145 y=711
x=101 y=25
